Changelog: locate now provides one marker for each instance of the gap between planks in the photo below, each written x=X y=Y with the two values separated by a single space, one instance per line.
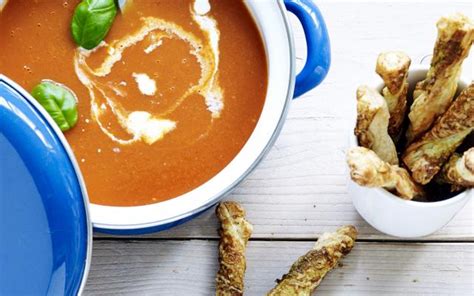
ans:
x=259 y=239
x=189 y=268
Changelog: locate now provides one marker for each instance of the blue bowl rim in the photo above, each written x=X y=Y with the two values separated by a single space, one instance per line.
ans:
x=52 y=124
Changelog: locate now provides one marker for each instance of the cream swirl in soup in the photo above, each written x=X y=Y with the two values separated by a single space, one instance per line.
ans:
x=107 y=96
x=165 y=103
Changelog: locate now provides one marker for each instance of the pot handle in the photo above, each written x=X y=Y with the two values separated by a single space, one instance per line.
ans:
x=318 y=45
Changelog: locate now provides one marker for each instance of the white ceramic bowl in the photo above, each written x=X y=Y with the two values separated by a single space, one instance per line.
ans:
x=404 y=218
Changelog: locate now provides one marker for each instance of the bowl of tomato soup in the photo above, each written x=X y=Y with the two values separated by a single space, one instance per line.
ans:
x=176 y=101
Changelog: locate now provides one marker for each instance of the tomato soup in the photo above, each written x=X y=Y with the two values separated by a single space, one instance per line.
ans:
x=165 y=101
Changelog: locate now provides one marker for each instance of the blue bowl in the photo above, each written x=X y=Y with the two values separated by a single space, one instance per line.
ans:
x=45 y=233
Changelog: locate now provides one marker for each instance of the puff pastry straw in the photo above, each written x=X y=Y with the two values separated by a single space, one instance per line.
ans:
x=425 y=157
x=372 y=124
x=307 y=272
x=235 y=232
x=392 y=66
x=459 y=170
x=433 y=95
x=367 y=169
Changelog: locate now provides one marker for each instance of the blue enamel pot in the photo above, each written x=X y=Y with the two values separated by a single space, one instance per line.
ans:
x=283 y=85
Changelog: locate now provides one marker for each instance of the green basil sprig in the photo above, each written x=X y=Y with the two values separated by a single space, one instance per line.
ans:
x=92 y=21
x=59 y=101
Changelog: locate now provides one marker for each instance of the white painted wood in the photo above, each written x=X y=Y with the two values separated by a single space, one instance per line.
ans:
x=188 y=268
x=299 y=190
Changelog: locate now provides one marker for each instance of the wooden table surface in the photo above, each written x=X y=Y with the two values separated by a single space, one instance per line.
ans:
x=299 y=190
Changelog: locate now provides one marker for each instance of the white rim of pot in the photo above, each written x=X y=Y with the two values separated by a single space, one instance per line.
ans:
x=273 y=23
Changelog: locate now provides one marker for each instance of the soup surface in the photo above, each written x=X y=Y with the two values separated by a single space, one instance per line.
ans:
x=165 y=102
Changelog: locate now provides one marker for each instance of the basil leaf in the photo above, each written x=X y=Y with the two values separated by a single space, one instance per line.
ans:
x=92 y=21
x=59 y=101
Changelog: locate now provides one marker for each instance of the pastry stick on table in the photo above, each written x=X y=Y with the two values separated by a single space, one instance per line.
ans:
x=367 y=169
x=392 y=66
x=433 y=95
x=235 y=232
x=308 y=271
x=372 y=124
x=459 y=170
x=425 y=157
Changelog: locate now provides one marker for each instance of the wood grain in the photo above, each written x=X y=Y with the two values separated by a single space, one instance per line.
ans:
x=188 y=268
x=299 y=190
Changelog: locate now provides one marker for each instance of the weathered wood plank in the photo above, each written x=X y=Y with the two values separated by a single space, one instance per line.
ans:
x=299 y=190
x=292 y=219
x=156 y=267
